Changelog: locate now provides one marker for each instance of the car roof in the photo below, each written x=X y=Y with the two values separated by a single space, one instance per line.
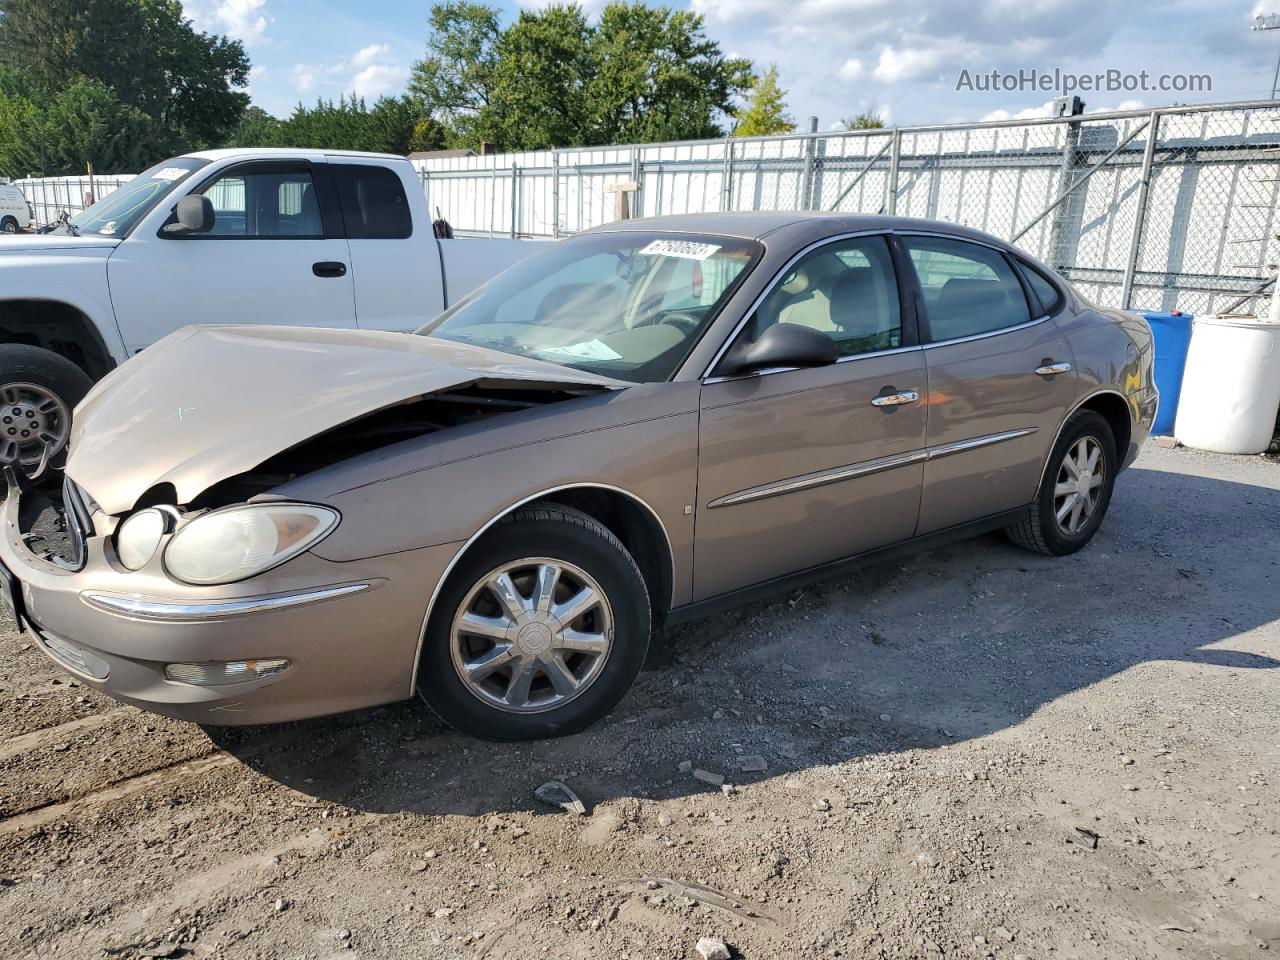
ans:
x=758 y=225
x=299 y=153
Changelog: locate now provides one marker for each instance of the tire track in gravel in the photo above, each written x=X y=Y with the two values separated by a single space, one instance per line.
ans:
x=50 y=736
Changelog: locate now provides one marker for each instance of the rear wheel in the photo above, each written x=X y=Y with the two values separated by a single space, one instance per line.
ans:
x=9 y=225
x=540 y=630
x=1076 y=491
x=38 y=390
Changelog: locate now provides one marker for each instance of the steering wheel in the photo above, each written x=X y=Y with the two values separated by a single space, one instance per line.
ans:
x=686 y=323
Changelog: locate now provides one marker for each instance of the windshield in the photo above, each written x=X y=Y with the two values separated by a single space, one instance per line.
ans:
x=625 y=305
x=116 y=213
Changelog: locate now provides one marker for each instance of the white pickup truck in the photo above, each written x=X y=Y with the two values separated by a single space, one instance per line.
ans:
x=299 y=237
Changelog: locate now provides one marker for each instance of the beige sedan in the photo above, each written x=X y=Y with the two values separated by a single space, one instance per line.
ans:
x=633 y=427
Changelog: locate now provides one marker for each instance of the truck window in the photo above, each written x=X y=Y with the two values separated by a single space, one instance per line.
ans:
x=265 y=202
x=373 y=201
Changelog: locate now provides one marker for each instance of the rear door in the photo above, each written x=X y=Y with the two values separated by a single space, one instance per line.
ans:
x=800 y=467
x=1001 y=378
x=396 y=268
x=275 y=255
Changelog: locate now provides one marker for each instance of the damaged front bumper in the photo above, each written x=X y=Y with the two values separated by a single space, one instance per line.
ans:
x=337 y=636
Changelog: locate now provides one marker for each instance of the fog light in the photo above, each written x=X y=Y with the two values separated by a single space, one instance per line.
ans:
x=234 y=671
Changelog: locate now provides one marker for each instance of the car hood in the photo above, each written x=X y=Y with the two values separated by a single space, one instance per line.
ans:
x=46 y=242
x=208 y=403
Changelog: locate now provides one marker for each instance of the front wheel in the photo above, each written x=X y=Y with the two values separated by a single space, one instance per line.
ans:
x=1076 y=491
x=539 y=631
x=38 y=391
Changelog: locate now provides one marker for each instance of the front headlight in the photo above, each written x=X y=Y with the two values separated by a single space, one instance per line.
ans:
x=138 y=537
x=240 y=542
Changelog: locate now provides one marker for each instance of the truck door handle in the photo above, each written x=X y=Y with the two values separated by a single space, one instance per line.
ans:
x=329 y=268
x=1052 y=369
x=895 y=399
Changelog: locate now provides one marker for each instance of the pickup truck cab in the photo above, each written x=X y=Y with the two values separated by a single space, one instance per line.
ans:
x=299 y=237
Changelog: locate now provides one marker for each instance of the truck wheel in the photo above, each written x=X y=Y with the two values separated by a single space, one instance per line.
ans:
x=38 y=391
x=9 y=225
x=539 y=631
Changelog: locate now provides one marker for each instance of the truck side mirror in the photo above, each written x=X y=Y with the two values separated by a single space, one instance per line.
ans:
x=195 y=215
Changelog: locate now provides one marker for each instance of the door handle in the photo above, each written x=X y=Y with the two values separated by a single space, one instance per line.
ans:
x=895 y=399
x=1052 y=369
x=329 y=268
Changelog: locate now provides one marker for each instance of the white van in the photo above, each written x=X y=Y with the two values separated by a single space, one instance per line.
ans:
x=15 y=213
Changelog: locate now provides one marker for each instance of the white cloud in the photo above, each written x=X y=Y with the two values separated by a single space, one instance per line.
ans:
x=304 y=77
x=851 y=70
x=907 y=64
x=378 y=79
x=367 y=56
x=245 y=20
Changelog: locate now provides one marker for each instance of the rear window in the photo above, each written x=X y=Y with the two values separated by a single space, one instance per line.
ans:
x=1049 y=296
x=373 y=201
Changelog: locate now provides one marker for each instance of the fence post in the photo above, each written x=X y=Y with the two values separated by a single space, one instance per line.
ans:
x=424 y=175
x=891 y=185
x=515 y=196
x=726 y=195
x=1140 y=217
x=555 y=194
x=806 y=177
x=637 y=172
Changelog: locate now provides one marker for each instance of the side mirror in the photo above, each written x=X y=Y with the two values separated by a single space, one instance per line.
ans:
x=782 y=345
x=195 y=215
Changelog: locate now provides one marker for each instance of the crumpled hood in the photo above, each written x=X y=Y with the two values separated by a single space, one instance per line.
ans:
x=53 y=243
x=207 y=403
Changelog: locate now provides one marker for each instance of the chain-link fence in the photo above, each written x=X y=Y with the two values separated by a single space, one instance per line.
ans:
x=50 y=197
x=1173 y=208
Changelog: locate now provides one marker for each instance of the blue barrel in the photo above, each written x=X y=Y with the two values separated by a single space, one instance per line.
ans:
x=1172 y=332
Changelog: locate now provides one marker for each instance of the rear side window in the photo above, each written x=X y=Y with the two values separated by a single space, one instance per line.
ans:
x=373 y=201
x=968 y=289
x=1049 y=296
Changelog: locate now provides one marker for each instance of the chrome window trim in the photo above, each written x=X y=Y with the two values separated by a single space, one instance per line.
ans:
x=466 y=545
x=866 y=468
x=194 y=611
x=770 y=370
x=983 y=336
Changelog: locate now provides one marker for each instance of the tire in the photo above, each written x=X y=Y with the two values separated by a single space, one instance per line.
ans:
x=29 y=375
x=1041 y=531
x=524 y=544
x=8 y=225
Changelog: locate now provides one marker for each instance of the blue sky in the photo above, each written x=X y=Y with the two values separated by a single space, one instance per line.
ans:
x=835 y=57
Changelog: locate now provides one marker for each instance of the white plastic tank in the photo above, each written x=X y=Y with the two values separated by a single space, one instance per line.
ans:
x=1231 y=388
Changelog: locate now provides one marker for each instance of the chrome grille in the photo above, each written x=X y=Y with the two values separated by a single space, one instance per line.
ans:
x=79 y=525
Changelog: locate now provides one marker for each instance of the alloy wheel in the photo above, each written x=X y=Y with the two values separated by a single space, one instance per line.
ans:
x=1079 y=485
x=32 y=418
x=532 y=635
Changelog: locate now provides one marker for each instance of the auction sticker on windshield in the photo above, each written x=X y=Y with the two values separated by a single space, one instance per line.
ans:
x=684 y=249
x=587 y=350
x=169 y=173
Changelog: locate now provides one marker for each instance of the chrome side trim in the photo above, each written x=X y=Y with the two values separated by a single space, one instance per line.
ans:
x=932 y=344
x=864 y=468
x=811 y=480
x=461 y=551
x=974 y=443
x=849 y=359
x=199 y=610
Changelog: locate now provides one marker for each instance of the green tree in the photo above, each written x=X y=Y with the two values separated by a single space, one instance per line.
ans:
x=766 y=109
x=454 y=80
x=144 y=52
x=866 y=120
x=428 y=135
x=349 y=124
x=84 y=123
x=256 y=128
x=552 y=78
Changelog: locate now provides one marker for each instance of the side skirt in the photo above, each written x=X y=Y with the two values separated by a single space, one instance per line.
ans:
x=771 y=589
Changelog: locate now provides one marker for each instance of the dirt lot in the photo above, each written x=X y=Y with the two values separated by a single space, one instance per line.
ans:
x=937 y=733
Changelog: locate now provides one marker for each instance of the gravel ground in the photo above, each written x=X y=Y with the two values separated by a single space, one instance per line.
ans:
x=974 y=753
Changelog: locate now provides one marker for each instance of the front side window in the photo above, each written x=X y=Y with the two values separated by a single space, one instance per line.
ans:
x=265 y=202
x=373 y=201
x=116 y=213
x=629 y=305
x=846 y=290
x=968 y=289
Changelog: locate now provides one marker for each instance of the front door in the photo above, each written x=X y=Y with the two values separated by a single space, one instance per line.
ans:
x=268 y=259
x=1001 y=378
x=800 y=467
